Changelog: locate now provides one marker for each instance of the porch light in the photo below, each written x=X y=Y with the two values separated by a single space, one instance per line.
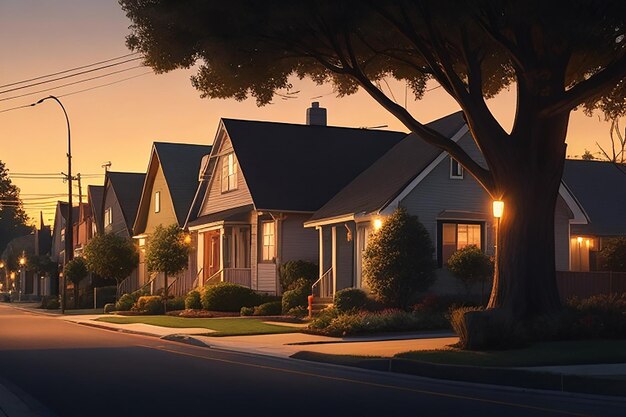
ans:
x=588 y=242
x=378 y=223
x=142 y=241
x=22 y=261
x=498 y=208
x=12 y=275
x=1 y=264
x=579 y=239
x=187 y=239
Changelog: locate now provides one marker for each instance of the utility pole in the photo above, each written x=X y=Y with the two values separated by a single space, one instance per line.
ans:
x=80 y=192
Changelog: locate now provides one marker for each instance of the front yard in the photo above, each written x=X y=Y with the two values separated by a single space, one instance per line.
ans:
x=220 y=326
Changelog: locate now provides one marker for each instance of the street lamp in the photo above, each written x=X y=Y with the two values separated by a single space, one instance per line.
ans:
x=498 y=211
x=21 y=282
x=69 y=249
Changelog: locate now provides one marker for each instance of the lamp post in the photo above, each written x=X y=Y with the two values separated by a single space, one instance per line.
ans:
x=22 y=262
x=69 y=241
x=498 y=210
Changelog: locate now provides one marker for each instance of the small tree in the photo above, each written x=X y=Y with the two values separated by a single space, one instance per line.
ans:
x=614 y=254
x=75 y=271
x=471 y=266
x=399 y=260
x=111 y=256
x=290 y=272
x=167 y=252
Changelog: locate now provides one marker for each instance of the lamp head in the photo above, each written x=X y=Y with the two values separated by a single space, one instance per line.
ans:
x=498 y=208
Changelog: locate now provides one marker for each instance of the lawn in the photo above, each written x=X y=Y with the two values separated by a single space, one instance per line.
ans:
x=221 y=326
x=575 y=352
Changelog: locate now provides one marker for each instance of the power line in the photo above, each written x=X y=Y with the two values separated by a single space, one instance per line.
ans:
x=72 y=83
x=69 y=76
x=82 y=91
x=68 y=70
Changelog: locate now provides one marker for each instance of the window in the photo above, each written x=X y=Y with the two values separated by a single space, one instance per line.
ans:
x=229 y=173
x=157 y=202
x=268 y=244
x=455 y=236
x=108 y=217
x=62 y=235
x=456 y=169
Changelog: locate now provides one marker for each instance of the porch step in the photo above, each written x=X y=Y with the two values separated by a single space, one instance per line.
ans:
x=323 y=300
x=319 y=304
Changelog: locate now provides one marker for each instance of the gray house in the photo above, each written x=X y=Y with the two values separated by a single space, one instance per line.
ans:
x=120 y=201
x=601 y=189
x=262 y=181
x=450 y=203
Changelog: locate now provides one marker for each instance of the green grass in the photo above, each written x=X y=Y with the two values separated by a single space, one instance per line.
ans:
x=221 y=326
x=540 y=354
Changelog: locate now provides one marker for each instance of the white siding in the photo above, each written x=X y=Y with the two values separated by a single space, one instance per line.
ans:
x=266 y=278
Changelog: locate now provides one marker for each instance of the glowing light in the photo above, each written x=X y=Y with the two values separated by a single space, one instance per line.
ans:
x=498 y=208
x=22 y=261
x=12 y=275
x=378 y=223
x=187 y=239
x=1 y=264
x=579 y=239
x=142 y=241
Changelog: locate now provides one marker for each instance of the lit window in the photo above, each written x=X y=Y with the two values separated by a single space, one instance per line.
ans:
x=456 y=169
x=229 y=172
x=268 y=244
x=62 y=235
x=157 y=202
x=108 y=217
x=456 y=236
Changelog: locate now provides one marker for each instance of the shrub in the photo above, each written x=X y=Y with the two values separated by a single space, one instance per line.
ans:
x=299 y=311
x=125 y=303
x=614 y=254
x=109 y=308
x=175 y=304
x=490 y=329
x=246 y=311
x=149 y=304
x=398 y=261
x=273 y=308
x=192 y=300
x=229 y=297
x=298 y=297
x=53 y=304
x=292 y=271
x=350 y=299
x=333 y=323
x=471 y=266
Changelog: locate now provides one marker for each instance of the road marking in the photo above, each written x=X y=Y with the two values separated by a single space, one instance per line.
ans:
x=374 y=384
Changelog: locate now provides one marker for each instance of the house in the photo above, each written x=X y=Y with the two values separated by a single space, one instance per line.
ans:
x=57 y=251
x=168 y=190
x=450 y=203
x=118 y=208
x=600 y=187
x=262 y=181
x=95 y=195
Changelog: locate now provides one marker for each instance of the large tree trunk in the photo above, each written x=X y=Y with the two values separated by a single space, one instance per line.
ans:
x=528 y=177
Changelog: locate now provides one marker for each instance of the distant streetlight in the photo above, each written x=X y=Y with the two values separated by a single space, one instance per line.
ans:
x=69 y=249
x=21 y=282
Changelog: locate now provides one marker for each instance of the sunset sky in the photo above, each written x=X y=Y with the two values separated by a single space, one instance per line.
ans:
x=119 y=122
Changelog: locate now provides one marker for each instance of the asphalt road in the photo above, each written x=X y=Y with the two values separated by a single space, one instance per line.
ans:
x=74 y=370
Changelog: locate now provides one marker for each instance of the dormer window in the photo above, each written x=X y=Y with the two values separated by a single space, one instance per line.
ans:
x=456 y=169
x=229 y=172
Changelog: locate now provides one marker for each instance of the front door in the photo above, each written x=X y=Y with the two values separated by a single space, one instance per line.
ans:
x=212 y=252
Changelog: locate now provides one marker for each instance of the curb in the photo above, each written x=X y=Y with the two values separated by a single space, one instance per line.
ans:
x=495 y=376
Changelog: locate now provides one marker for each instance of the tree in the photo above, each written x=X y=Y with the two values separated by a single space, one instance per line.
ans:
x=613 y=254
x=111 y=256
x=559 y=55
x=471 y=266
x=75 y=271
x=13 y=218
x=167 y=252
x=398 y=260
x=587 y=156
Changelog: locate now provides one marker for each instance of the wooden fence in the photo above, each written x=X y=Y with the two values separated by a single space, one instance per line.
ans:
x=587 y=284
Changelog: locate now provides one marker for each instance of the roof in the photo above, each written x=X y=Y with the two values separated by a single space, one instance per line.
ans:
x=600 y=187
x=390 y=174
x=295 y=167
x=234 y=214
x=127 y=187
x=95 y=193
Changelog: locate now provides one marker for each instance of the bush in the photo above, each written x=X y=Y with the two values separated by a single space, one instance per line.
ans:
x=298 y=297
x=192 y=300
x=229 y=297
x=273 y=308
x=298 y=312
x=176 y=304
x=398 y=261
x=490 y=329
x=350 y=299
x=53 y=304
x=246 y=311
x=333 y=323
x=290 y=272
x=471 y=266
x=614 y=254
x=149 y=304
x=125 y=303
x=109 y=308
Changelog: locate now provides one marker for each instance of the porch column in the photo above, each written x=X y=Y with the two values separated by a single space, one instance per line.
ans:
x=325 y=249
x=343 y=256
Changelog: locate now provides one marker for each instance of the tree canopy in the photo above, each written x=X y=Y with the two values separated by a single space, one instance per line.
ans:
x=167 y=251
x=13 y=218
x=111 y=256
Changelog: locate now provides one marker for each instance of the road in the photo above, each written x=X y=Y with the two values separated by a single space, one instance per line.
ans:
x=75 y=370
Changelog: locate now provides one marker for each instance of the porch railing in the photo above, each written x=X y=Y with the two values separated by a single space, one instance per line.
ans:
x=323 y=287
x=130 y=284
x=239 y=276
x=181 y=284
x=213 y=279
x=197 y=280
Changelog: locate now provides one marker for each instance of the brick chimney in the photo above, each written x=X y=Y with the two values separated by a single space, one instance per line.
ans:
x=316 y=115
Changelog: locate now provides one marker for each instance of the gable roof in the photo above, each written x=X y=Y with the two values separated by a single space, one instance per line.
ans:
x=600 y=187
x=389 y=175
x=180 y=163
x=127 y=187
x=293 y=167
x=95 y=193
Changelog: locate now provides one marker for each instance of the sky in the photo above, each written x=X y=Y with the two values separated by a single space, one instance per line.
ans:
x=118 y=123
